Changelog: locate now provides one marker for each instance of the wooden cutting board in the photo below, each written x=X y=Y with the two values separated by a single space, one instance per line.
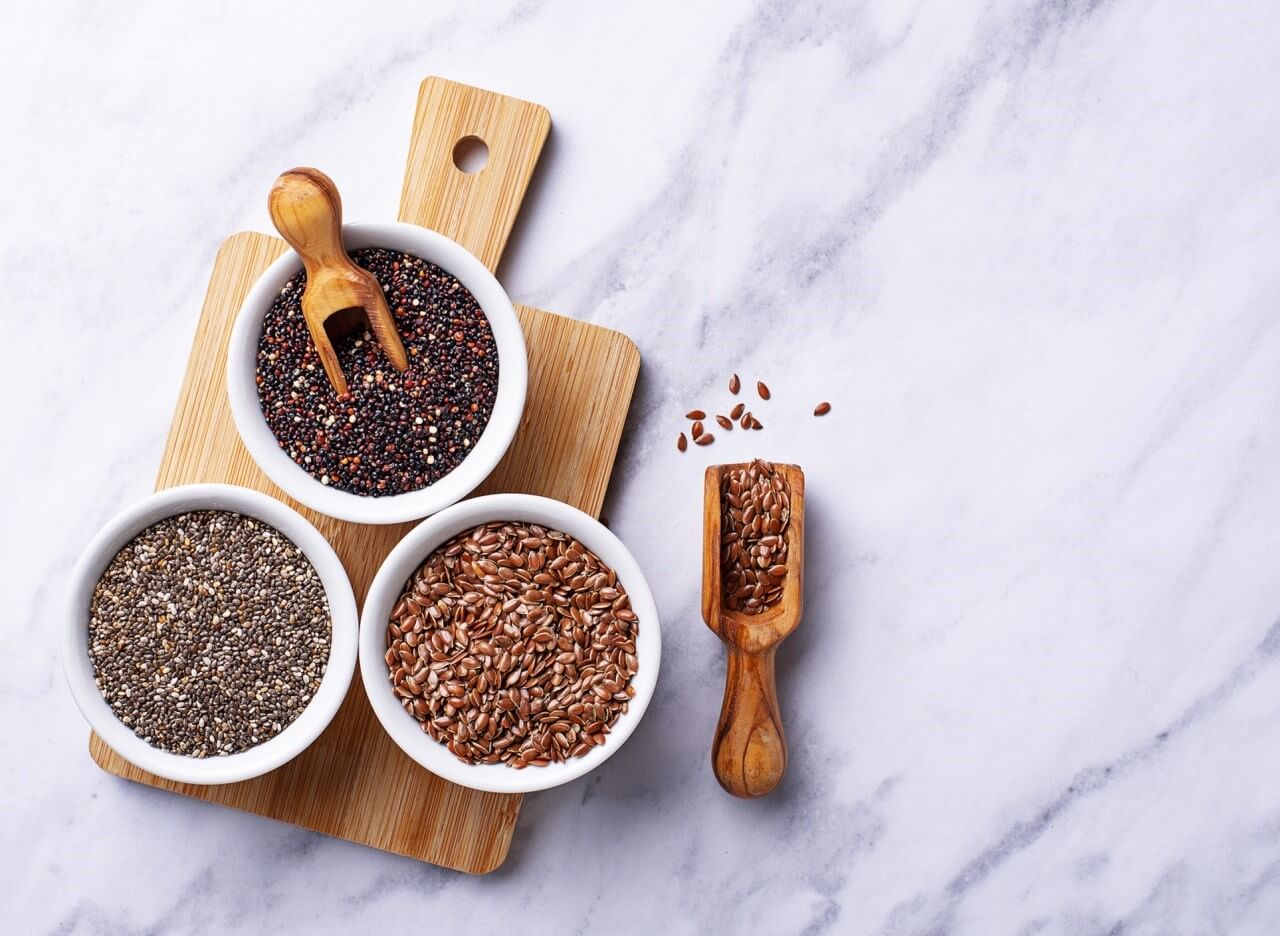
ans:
x=353 y=782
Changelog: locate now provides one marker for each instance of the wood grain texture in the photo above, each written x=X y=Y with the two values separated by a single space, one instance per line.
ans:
x=749 y=751
x=353 y=782
x=477 y=209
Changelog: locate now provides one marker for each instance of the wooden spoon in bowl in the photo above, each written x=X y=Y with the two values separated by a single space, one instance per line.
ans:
x=307 y=211
x=749 y=754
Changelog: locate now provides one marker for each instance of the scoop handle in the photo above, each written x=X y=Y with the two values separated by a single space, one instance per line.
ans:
x=749 y=755
x=307 y=211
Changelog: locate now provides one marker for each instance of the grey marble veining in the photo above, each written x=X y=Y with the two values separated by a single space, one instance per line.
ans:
x=1027 y=250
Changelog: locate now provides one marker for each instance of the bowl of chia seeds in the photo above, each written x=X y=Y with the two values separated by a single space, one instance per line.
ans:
x=510 y=643
x=210 y=633
x=399 y=446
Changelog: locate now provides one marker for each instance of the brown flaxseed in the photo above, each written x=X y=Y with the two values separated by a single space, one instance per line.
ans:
x=695 y=414
x=736 y=412
x=762 y=389
x=514 y=644
x=705 y=439
x=755 y=503
x=682 y=443
x=822 y=409
x=724 y=422
x=734 y=384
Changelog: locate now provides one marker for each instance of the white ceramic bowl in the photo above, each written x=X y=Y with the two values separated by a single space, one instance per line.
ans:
x=513 y=379
x=405 y=559
x=75 y=634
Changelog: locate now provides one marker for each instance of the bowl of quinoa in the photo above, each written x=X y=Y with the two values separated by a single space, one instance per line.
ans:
x=399 y=445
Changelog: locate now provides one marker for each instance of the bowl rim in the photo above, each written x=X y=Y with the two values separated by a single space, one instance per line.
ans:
x=494 y=440
x=409 y=553
x=270 y=754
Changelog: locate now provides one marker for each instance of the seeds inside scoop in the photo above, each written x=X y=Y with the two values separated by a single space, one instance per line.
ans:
x=755 y=503
x=514 y=644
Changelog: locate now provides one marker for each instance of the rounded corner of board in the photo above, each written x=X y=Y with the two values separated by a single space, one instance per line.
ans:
x=99 y=753
x=491 y=866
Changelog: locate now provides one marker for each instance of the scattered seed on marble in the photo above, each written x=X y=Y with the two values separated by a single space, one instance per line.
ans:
x=762 y=389
x=737 y=411
x=705 y=439
x=209 y=633
x=734 y=384
x=755 y=504
x=745 y=422
x=514 y=644
x=696 y=430
x=394 y=432
x=695 y=414
x=682 y=443
x=724 y=422
x=822 y=409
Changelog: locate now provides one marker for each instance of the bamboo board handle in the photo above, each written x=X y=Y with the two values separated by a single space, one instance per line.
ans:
x=476 y=209
x=750 y=751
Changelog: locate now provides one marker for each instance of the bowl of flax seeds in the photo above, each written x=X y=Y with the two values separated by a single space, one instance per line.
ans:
x=510 y=643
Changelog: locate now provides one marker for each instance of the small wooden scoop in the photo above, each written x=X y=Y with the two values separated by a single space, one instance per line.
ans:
x=307 y=211
x=749 y=754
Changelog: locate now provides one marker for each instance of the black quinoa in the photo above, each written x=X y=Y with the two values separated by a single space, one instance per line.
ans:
x=393 y=432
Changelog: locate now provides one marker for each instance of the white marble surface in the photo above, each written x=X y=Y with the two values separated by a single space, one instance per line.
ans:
x=1029 y=252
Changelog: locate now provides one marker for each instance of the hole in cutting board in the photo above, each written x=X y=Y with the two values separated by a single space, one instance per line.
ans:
x=471 y=154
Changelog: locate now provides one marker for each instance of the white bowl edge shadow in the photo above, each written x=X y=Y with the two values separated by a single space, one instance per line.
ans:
x=297 y=736
x=513 y=379
x=404 y=560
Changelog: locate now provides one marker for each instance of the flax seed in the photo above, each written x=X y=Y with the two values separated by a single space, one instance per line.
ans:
x=539 y=664
x=755 y=514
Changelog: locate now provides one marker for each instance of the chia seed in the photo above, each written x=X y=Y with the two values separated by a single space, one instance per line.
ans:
x=393 y=432
x=209 y=633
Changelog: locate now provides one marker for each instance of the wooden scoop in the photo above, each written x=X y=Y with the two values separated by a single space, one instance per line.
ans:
x=307 y=211
x=749 y=754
